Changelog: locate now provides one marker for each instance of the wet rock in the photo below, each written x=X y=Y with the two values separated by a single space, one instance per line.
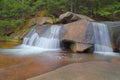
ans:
x=41 y=29
x=20 y=34
x=94 y=70
x=70 y=17
x=116 y=38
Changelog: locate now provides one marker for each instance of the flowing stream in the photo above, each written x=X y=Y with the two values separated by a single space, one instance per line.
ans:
x=33 y=43
x=49 y=40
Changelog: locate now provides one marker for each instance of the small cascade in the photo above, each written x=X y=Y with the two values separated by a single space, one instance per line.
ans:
x=35 y=43
x=48 y=40
x=101 y=38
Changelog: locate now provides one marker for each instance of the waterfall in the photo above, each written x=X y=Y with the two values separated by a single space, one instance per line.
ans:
x=35 y=43
x=101 y=38
x=49 y=40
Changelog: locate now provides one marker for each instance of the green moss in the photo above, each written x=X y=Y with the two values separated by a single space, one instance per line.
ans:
x=17 y=38
x=6 y=38
x=54 y=19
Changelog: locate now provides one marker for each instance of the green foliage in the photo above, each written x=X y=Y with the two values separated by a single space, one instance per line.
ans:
x=16 y=8
x=104 y=8
x=4 y=23
x=56 y=4
x=15 y=12
x=6 y=38
x=111 y=9
x=15 y=23
x=11 y=23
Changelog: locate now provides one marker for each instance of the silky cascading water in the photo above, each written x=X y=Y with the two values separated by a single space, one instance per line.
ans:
x=49 y=40
x=102 y=42
x=35 y=43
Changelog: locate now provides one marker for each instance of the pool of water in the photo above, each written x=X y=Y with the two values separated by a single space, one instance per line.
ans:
x=20 y=67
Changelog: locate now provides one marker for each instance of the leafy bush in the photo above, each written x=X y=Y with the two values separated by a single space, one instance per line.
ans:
x=15 y=23
x=4 y=23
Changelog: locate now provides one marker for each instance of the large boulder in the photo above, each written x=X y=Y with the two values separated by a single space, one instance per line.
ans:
x=70 y=17
x=76 y=33
x=94 y=70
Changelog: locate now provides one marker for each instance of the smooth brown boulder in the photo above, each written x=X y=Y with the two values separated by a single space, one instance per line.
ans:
x=76 y=31
x=94 y=70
